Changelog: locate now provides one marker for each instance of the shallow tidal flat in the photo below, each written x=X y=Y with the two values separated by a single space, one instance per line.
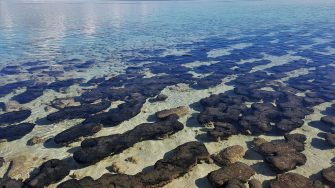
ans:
x=251 y=111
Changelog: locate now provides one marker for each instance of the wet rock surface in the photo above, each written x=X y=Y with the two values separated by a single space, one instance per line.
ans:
x=179 y=111
x=254 y=183
x=2 y=161
x=293 y=180
x=182 y=160
x=15 y=132
x=50 y=172
x=236 y=171
x=14 y=117
x=95 y=149
x=329 y=175
x=330 y=138
x=75 y=112
x=229 y=155
x=284 y=155
x=74 y=133
x=329 y=120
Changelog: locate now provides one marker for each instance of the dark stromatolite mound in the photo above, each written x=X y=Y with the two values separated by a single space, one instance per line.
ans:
x=235 y=171
x=284 y=155
x=230 y=115
x=82 y=111
x=330 y=138
x=95 y=149
x=229 y=155
x=2 y=161
x=254 y=183
x=50 y=172
x=15 y=132
x=182 y=160
x=329 y=120
x=2 y=106
x=293 y=180
x=31 y=93
x=106 y=180
x=14 y=117
x=222 y=131
x=61 y=84
x=123 y=112
x=179 y=111
x=7 y=182
x=159 y=98
x=77 y=131
x=329 y=175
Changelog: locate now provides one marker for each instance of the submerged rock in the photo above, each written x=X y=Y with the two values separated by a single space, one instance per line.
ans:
x=2 y=161
x=330 y=138
x=95 y=149
x=229 y=155
x=14 y=132
x=2 y=106
x=293 y=180
x=50 y=172
x=74 y=112
x=329 y=175
x=222 y=131
x=14 y=117
x=235 y=171
x=77 y=131
x=182 y=160
x=329 y=120
x=179 y=111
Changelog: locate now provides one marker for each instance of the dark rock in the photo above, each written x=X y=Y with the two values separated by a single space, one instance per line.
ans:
x=234 y=183
x=330 y=138
x=182 y=160
x=291 y=180
x=159 y=98
x=50 y=172
x=77 y=131
x=61 y=84
x=2 y=161
x=288 y=125
x=222 y=131
x=2 y=106
x=15 y=132
x=179 y=111
x=31 y=93
x=106 y=180
x=82 y=111
x=95 y=149
x=7 y=182
x=329 y=120
x=329 y=175
x=123 y=112
x=14 y=117
x=236 y=171
x=229 y=155
x=284 y=155
x=254 y=183
x=35 y=140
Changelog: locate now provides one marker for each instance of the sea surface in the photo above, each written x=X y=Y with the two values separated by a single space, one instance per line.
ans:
x=72 y=70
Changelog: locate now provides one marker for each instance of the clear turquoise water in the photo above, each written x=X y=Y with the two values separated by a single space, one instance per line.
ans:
x=50 y=30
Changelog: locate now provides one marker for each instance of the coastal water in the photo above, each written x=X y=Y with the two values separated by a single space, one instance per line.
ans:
x=85 y=69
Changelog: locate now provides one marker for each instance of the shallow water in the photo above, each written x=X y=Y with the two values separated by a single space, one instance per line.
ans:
x=95 y=53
